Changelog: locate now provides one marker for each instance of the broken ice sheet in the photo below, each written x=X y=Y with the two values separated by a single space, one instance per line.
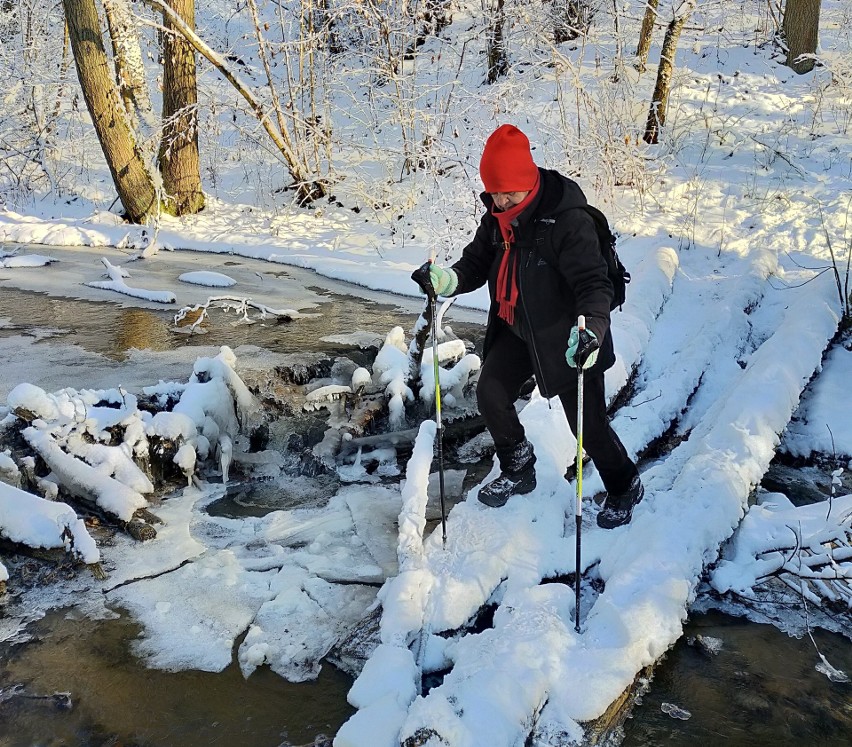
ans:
x=709 y=645
x=670 y=709
x=835 y=675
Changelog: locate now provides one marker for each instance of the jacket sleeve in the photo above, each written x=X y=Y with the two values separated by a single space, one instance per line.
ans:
x=584 y=268
x=473 y=267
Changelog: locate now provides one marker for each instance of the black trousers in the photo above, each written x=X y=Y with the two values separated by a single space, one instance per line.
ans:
x=508 y=367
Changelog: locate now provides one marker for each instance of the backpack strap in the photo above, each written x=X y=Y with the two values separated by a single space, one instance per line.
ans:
x=544 y=241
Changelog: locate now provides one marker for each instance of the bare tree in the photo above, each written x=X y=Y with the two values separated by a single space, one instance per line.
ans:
x=497 y=60
x=662 y=87
x=308 y=185
x=133 y=181
x=179 y=144
x=801 y=32
x=572 y=18
x=644 y=45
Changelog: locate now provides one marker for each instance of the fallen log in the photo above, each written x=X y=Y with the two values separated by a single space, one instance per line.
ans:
x=85 y=482
x=603 y=730
x=351 y=652
x=456 y=430
x=55 y=556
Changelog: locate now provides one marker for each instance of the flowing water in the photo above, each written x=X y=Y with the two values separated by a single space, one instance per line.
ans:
x=115 y=701
x=760 y=688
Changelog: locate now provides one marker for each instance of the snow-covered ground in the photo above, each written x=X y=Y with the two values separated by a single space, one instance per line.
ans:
x=732 y=305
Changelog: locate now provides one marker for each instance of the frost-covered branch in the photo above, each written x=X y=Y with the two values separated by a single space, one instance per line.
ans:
x=308 y=186
x=116 y=283
x=190 y=318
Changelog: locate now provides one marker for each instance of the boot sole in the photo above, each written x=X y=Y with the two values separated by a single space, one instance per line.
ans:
x=522 y=488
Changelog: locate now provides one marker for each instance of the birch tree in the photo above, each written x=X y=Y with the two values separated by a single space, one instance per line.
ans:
x=127 y=57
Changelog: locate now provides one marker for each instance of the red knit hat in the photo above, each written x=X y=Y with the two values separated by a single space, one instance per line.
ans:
x=507 y=164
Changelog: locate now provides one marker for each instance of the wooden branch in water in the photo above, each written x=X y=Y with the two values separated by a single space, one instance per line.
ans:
x=54 y=555
x=422 y=327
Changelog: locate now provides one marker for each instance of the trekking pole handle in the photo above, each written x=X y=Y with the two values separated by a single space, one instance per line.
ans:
x=422 y=278
x=581 y=323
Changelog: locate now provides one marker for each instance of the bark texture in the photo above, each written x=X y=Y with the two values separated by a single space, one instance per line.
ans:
x=663 y=85
x=127 y=55
x=801 y=31
x=645 y=33
x=179 y=163
x=497 y=60
x=133 y=181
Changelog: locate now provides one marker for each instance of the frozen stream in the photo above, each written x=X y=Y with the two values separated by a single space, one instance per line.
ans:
x=760 y=688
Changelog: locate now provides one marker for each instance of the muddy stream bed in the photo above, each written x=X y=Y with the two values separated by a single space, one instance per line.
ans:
x=83 y=686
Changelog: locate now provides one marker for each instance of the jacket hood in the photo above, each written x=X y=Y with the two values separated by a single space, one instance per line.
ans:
x=557 y=193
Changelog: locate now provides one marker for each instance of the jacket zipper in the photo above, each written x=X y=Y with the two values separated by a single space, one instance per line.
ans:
x=529 y=322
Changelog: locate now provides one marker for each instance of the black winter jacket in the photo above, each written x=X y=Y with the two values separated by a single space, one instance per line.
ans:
x=561 y=275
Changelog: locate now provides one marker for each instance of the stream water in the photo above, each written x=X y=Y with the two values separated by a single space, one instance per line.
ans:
x=761 y=688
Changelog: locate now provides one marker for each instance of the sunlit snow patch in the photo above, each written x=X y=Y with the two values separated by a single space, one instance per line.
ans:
x=26 y=260
x=208 y=278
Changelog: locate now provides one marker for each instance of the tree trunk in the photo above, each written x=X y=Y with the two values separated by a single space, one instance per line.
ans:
x=801 y=31
x=307 y=189
x=133 y=181
x=662 y=88
x=645 y=33
x=571 y=19
x=127 y=56
x=498 y=64
x=179 y=145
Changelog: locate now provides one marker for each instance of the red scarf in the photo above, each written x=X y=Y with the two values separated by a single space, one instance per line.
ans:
x=507 y=275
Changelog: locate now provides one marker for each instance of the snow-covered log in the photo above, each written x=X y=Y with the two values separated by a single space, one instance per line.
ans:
x=83 y=481
x=116 y=283
x=809 y=548
x=28 y=520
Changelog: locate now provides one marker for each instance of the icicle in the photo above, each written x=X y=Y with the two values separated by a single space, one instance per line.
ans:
x=226 y=449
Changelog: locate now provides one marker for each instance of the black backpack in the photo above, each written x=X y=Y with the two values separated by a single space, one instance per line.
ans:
x=618 y=274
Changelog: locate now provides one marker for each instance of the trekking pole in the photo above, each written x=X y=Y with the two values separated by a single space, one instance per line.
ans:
x=578 y=510
x=421 y=277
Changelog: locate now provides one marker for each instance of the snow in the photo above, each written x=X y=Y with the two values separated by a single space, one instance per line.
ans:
x=116 y=283
x=821 y=426
x=210 y=279
x=727 y=319
x=33 y=521
x=759 y=547
x=26 y=260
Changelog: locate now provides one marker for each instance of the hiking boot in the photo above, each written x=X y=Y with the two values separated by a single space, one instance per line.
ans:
x=618 y=507
x=517 y=475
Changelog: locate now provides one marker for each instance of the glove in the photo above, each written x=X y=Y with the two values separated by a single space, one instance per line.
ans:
x=582 y=347
x=443 y=281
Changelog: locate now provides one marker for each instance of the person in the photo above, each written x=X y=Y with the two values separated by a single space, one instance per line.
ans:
x=540 y=281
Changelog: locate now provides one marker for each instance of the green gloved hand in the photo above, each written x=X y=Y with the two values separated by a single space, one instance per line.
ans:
x=443 y=281
x=582 y=348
